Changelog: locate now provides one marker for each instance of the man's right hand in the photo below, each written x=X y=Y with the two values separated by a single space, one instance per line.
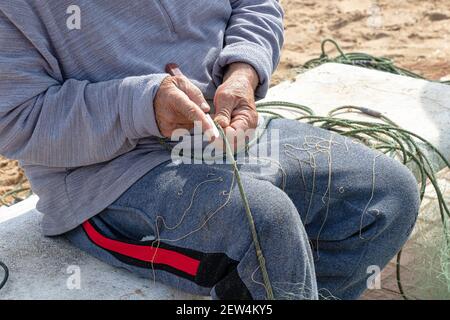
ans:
x=178 y=104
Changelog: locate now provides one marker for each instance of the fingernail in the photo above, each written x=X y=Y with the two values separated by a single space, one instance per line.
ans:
x=215 y=132
x=222 y=121
x=205 y=107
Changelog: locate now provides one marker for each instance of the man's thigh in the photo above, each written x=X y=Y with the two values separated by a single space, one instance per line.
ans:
x=332 y=180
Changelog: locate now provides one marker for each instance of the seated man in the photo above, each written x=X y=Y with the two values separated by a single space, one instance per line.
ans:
x=84 y=101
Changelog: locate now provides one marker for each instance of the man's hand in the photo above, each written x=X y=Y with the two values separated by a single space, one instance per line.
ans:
x=178 y=103
x=235 y=99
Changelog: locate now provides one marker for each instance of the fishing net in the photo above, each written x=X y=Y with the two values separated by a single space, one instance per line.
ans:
x=427 y=270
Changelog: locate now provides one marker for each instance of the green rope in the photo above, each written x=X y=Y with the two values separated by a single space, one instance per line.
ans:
x=384 y=135
x=230 y=155
x=361 y=60
x=259 y=253
x=392 y=140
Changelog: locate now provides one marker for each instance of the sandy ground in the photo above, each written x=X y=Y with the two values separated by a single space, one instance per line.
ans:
x=415 y=33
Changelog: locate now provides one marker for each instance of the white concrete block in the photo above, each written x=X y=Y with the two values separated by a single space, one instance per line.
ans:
x=420 y=106
x=39 y=266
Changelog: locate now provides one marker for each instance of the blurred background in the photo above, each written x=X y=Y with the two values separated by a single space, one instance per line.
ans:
x=415 y=33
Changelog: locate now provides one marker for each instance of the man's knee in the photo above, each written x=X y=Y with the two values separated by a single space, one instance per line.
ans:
x=400 y=190
x=274 y=212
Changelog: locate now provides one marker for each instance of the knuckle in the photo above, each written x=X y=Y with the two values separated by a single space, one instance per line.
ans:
x=179 y=78
x=194 y=93
x=224 y=112
x=181 y=82
x=254 y=121
x=167 y=81
x=191 y=113
x=167 y=84
x=197 y=93
x=226 y=94
x=186 y=111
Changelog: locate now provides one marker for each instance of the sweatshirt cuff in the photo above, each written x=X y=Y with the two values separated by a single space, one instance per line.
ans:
x=137 y=115
x=250 y=53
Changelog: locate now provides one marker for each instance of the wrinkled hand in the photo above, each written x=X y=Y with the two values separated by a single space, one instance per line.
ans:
x=178 y=103
x=235 y=100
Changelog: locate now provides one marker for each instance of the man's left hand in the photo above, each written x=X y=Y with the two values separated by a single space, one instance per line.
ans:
x=235 y=99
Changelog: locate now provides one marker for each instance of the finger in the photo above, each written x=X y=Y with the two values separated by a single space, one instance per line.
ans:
x=239 y=124
x=244 y=118
x=181 y=120
x=193 y=92
x=174 y=118
x=223 y=118
x=224 y=107
x=170 y=128
x=190 y=110
x=169 y=117
x=187 y=126
x=239 y=135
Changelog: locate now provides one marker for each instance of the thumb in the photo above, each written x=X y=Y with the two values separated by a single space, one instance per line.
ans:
x=225 y=104
x=223 y=115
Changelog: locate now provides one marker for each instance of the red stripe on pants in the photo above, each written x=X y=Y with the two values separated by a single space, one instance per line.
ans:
x=144 y=253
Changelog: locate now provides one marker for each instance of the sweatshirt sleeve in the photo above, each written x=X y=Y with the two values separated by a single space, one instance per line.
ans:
x=255 y=36
x=51 y=121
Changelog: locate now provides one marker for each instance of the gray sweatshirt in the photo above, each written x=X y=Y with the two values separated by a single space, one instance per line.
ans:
x=78 y=79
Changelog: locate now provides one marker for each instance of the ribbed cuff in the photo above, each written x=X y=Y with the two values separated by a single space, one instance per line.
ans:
x=249 y=53
x=136 y=95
